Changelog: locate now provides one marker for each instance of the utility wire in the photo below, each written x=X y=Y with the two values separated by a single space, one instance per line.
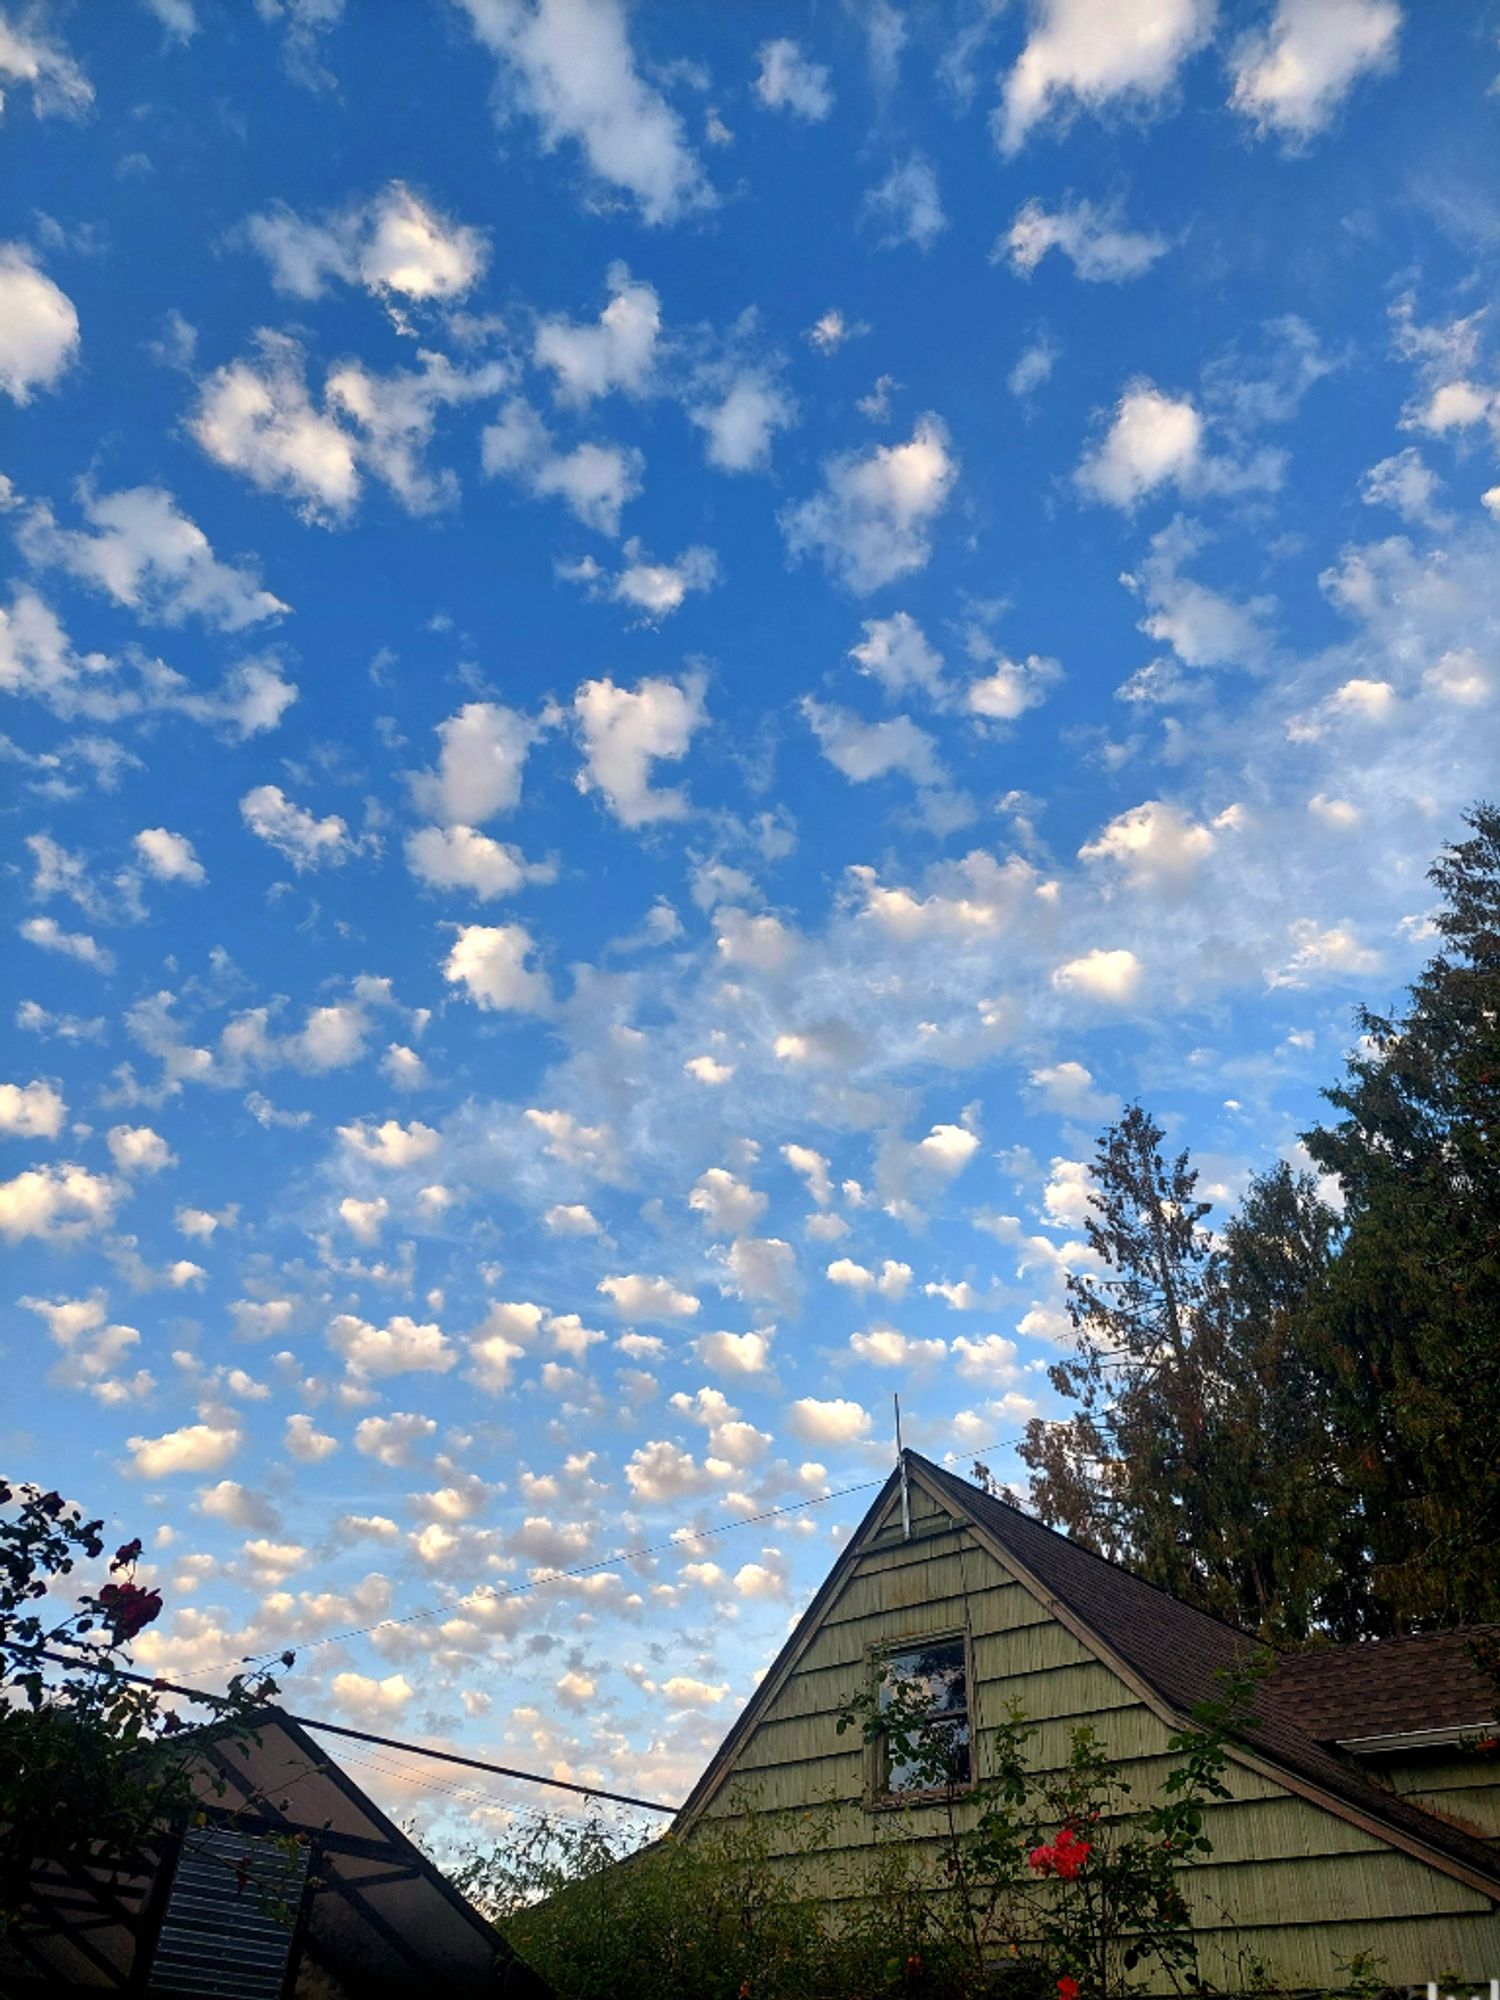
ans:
x=368 y=1736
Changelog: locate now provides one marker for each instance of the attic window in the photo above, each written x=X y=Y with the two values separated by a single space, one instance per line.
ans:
x=925 y=1691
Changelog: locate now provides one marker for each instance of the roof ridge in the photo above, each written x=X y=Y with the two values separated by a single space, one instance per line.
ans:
x=1081 y=1548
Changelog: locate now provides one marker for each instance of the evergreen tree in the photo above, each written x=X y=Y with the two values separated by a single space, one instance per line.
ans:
x=1408 y=1327
x=1122 y=1473
x=1199 y=1453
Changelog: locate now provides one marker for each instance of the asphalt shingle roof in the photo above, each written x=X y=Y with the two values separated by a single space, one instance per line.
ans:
x=1183 y=1654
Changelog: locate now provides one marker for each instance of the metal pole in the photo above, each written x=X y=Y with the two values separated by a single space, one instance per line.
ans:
x=905 y=1490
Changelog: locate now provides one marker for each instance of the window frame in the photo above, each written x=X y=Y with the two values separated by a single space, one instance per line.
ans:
x=878 y=1796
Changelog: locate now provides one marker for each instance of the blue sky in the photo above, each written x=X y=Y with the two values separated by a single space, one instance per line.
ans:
x=653 y=656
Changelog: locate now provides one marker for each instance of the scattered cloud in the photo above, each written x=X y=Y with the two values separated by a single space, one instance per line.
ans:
x=788 y=81
x=1291 y=76
x=1095 y=242
x=629 y=136
x=38 y=321
x=1089 y=54
x=871 y=521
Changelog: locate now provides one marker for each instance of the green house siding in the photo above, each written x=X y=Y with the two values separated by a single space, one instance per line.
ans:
x=1290 y=1883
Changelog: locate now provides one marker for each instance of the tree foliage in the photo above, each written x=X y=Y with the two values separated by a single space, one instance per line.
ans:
x=1294 y=1424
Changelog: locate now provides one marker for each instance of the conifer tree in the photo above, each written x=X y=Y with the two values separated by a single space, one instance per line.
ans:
x=1408 y=1328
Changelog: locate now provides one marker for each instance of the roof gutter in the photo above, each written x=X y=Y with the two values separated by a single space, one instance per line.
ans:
x=1416 y=1739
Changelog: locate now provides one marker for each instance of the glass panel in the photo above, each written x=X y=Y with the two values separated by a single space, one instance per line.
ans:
x=937 y=1674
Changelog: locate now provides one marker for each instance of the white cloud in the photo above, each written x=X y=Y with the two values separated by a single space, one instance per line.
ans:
x=906 y=206
x=56 y=1204
x=734 y=1353
x=1101 y=975
x=830 y=330
x=1086 y=53
x=482 y=756
x=401 y=1347
x=887 y=1347
x=92 y=1351
x=136 y=1149
x=170 y=857
x=763 y=1267
x=653 y=589
x=27 y=55
x=682 y=1691
x=591 y=1147
x=38 y=322
x=1462 y=677
x=363 y=1219
x=145 y=553
x=571 y=1218
x=391 y=1144
x=394 y=1440
x=1291 y=76
x=260 y=421
x=1152 y=844
x=371 y=1700
x=393 y=418
x=838 y=1422
x=48 y=934
x=991 y=1358
x=1068 y=1089
x=872 y=520
x=661 y=1470
x=457 y=857
x=32 y=1110
x=890 y=1281
x=306 y=841
x=38 y=661
x=813 y=1168
x=1405 y=483
x=235 y=1505
x=788 y=81
x=1012 y=686
x=625 y=731
x=1033 y=366
x=896 y=652
x=617 y=352
x=1095 y=241
x=306 y=1443
x=706 y=1070
x=194 y=1448
x=1334 y=953
x=866 y=750
x=569 y=63
x=638 y=1297
x=726 y=1203
x=1202 y=626
x=1153 y=440
x=595 y=481
x=741 y=416
x=489 y=962
x=393 y=244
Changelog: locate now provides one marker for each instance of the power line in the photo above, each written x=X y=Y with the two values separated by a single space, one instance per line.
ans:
x=368 y=1736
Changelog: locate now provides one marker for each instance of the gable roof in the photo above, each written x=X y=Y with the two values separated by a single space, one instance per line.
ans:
x=1388 y=1687
x=381 y=1916
x=1175 y=1657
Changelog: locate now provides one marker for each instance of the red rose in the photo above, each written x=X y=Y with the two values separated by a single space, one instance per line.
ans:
x=129 y=1609
x=126 y=1554
x=1067 y=1987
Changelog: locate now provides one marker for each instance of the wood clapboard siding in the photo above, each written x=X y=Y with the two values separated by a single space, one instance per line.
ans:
x=1297 y=1886
x=1465 y=1789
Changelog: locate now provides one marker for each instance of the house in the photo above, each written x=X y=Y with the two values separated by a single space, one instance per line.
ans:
x=295 y=1887
x=1358 y=1821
